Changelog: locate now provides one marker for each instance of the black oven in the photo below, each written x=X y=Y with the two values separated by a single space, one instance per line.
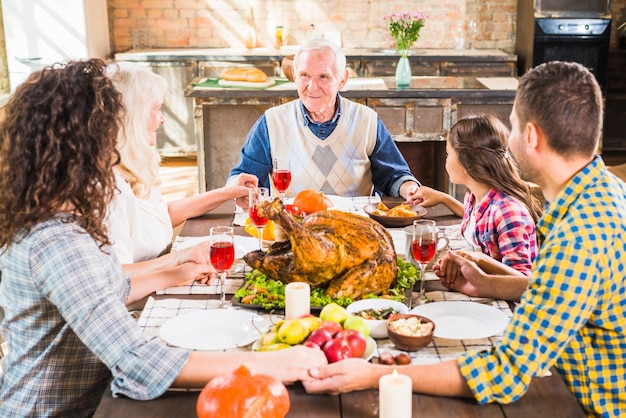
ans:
x=564 y=30
x=585 y=41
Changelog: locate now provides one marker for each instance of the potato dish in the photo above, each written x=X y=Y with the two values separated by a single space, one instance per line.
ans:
x=400 y=211
x=411 y=327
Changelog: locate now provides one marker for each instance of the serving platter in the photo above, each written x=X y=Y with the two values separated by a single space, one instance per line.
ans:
x=213 y=329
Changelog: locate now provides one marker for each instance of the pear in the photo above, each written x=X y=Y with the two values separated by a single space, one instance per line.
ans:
x=269 y=338
x=273 y=347
x=292 y=332
x=311 y=323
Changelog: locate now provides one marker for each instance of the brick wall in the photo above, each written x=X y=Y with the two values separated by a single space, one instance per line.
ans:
x=201 y=23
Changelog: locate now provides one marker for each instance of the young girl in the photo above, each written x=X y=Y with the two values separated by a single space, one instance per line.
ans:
x=499 y=211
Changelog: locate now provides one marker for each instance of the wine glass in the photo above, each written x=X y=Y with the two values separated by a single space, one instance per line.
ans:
x=423 y=247
x=256 y=196
x=222 y=255
x=281 y=176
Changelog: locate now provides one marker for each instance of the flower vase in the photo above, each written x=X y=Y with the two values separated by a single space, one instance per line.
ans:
x=403 y=73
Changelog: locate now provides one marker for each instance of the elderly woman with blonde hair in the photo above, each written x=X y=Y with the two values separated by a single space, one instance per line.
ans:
x=141 y=222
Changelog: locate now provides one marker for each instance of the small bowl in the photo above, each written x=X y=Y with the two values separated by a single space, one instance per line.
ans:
x=394 y=221
x=378 y=327
x=406 y=342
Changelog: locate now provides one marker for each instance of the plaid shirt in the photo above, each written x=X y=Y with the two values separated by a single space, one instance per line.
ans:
x=505 y=230
x=67 y=328
x=573 y=314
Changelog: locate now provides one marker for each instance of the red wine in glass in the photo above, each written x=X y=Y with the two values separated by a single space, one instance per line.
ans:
x=222 y=255
x=255 y=218
x=281 y=176
x=423 y=248
x=424 y=251
x=281 y=179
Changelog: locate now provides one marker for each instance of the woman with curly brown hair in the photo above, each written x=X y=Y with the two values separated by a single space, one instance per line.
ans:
x=499 y=211
x=62 y=290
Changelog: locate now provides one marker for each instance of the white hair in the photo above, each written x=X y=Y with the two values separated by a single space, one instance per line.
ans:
x=141 y=90
x=319 y=44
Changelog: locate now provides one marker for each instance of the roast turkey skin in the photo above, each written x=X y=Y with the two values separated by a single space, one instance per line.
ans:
x=350 y=254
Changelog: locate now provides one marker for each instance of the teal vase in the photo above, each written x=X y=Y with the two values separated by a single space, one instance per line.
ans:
x=403 y=73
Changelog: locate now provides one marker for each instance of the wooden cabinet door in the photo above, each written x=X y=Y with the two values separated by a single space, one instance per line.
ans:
x=419 y=127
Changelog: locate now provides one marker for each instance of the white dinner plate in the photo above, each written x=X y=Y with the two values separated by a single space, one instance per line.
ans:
x=244 y=245
x=370 y=349
x=213 y=329
x=460 y=320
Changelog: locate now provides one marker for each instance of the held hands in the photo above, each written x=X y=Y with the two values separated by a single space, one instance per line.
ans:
x=426 y=197
x=292 y=364
x=343 y=376
x=199 y=255
x=239 y=188
x=458 y=270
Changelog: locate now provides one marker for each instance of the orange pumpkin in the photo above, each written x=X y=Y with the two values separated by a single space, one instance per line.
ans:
x=309 y=201
x=240 y=394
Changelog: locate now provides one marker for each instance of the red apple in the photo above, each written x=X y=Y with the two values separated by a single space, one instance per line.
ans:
x=311 y=344
x=355 y=340
x=337 y=349
x=320 y=337
x=332 y=326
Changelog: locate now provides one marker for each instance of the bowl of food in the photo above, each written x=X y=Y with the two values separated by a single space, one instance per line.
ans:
x=394 y=215
x=376 y=311
x=410 y=332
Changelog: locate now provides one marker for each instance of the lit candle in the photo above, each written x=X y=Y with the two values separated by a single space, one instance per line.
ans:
x=395 y=392
x=297 y=300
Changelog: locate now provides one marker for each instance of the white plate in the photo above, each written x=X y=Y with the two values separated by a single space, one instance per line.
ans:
x=370 y=349
x=243 y=245
x=213 y=329
x=463 y=320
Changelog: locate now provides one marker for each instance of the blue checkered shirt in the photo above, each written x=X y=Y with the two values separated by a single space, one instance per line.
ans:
x=573 y=314
x=69 y=331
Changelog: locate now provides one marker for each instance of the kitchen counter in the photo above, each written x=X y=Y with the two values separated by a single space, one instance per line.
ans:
x=380 y=87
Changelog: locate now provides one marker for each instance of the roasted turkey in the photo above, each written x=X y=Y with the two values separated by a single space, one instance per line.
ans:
x=350 y=254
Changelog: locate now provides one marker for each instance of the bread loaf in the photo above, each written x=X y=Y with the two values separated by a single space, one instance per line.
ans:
x=244 y=74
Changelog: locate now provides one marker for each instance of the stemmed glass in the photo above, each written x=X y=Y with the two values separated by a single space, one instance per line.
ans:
x=423 y=247
x=281 y=176
x=256 y=196
x=222 y=255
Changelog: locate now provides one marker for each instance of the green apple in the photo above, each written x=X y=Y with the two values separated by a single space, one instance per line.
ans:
x=357 y=323
x=334 y=312
x=292 y=332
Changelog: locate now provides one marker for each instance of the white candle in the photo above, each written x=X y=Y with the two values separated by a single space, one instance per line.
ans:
x=297 y=300
x=395 y=393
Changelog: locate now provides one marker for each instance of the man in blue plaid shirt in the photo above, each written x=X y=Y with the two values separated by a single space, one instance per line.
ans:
x=572 y=312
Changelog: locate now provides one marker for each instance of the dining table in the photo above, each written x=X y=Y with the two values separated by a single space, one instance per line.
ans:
x=546 y=396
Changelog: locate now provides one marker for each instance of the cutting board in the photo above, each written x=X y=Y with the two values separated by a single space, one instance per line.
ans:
x=257 y=84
